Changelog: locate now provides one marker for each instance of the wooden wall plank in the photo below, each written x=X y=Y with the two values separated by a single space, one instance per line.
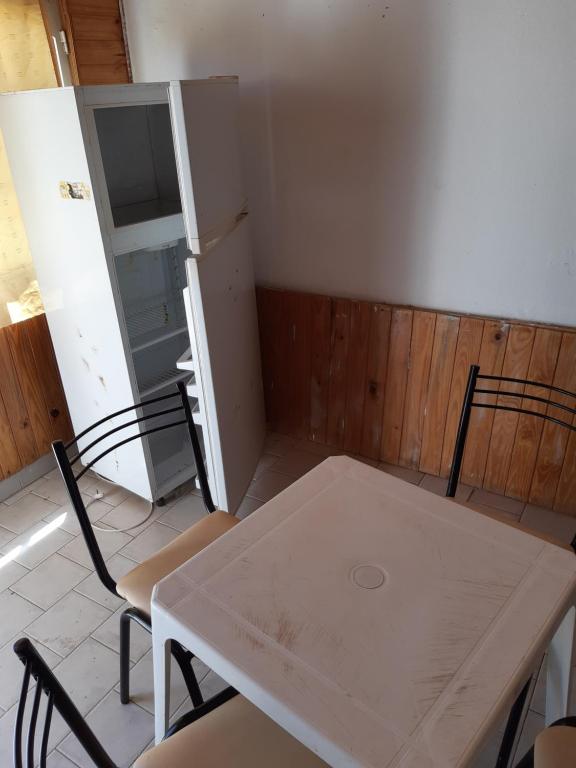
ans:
x=320 y=328
x=340 y=336
x=297 y=364
x=31 y=385
x=396 y=380
x=492 y=351
x=516 y=362
x=555 y=438
x=467 y=354
x=564 y=501
x=529 y=431
x=267 y=302
x=441 y=368
x=360 y=316
x=417 y=388
x=10 y=461
x=47 y=371
x=15 y=405
x=376 y=374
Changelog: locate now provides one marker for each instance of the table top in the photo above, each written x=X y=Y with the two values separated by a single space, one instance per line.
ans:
x=379 y=624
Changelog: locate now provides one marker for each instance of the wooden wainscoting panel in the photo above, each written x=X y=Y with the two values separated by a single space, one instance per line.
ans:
x=396 y=381
x=31 y=385
x=516 y=362
x=360 y=316
x=48 y=373
x=492 y=351
x=320 y=333
x=437 y=398
x=555 y=438
x=16 y=408
x=387 y=383
x=467 y=353
x=421 y=346
x=33 y=409
x=376 y=374
x=529 y=431
x=339 y=348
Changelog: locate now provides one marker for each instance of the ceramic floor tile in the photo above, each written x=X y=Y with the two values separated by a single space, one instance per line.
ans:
x=95 y=510
x=22 y=492
x=533 y=724
x=495 y=500
x=53 y=490
x=491 y=512
x=93 y=588
x=37 y=543
x=108 y=633
x=277 y=444
x=150 y=541
x=16 y=613
x=58 y=730
x=67 y=623
x=247 y=506
x=142 y=683
x=561 y=527
x=296 y=462
x=50 y=581
x=88 y=673
x=437 y=485
x=268 y=485
x=404 y=473
x=26 y=512
x=266 y=461
x=184 y=513
x=108 y=542
x=57 y=760
x=133 y=511
x=5 y=534
x=107 y=492
x=12 y=670
x=319 y=449
x=10 y=572
x=123 y=730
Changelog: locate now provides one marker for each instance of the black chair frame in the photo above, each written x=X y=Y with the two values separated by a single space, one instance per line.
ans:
x=472 y=389
x=57 y=698
x=65 y=464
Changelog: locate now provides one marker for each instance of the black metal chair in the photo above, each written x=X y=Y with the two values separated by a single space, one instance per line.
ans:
x=472 y=389
x=226 y=730
x=137 y=585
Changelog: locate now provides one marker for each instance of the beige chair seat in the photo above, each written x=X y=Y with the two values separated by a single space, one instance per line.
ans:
x=555 y=748
x=137 y=585
x=236 y=734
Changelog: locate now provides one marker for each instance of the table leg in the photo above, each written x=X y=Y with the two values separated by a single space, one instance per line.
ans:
x=559 y=669
x=162 y=660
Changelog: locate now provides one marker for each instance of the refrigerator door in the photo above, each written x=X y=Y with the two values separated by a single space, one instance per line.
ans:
x=204 y=115
x=228 y=376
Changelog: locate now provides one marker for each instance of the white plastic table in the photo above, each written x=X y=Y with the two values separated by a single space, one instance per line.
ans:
x=377 y=623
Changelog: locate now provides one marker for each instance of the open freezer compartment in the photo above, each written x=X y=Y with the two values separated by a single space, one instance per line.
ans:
x=139 y=163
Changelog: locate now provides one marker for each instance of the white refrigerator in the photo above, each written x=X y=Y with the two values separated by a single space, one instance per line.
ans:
x=136 y=216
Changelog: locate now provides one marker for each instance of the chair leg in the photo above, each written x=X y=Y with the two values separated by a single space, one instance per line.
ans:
x=184 y=661
x=512 y=728
x=125 y=619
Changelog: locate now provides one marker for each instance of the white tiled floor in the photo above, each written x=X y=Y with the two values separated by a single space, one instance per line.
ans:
x=49 y=592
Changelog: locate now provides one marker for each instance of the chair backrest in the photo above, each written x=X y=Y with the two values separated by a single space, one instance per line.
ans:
x=66 y=461
x=505 y=400
x=57 y=699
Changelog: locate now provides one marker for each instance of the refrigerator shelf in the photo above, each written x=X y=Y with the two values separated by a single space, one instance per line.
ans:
x=153 y=314
x=162 y=381
x=159 y=339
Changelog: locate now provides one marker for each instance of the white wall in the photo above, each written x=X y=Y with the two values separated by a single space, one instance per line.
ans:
x=415 y=151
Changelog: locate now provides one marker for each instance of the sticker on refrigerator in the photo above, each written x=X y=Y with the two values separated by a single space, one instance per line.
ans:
x=74 y=190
